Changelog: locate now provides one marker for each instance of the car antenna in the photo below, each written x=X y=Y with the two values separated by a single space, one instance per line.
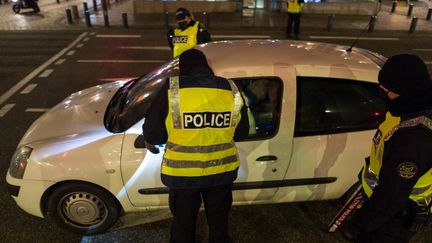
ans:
x=361 y=34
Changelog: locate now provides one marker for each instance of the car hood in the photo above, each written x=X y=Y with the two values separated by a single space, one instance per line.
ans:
x=77 y=117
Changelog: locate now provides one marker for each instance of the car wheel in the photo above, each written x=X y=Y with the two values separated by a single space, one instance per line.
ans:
x=83 y=208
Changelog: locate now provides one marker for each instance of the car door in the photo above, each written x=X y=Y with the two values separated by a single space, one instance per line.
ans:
x=265 y=156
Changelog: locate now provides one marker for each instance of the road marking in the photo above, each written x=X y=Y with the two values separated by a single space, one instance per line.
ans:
x=429 y=63
x=60 y=61
x=352 y=38
x=70 y=53
x=46 y=73
x=28 y=89
x=158 y=48
x=35 y=72
x=422 y=49
x=242 y=36
x=121 y=61
x=118 y=36
x=80 y=45
x=93 y=33
x=86 y=39
x=5 y=109
x=37 y=110
x=115 y=79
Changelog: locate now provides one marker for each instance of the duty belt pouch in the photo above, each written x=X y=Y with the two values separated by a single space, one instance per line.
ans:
x=421 y=217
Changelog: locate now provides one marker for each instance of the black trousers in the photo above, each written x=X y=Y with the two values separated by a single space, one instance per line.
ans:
x=293 y=18
x=184 y=205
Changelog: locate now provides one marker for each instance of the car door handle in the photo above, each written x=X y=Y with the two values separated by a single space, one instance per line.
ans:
x=267 y=158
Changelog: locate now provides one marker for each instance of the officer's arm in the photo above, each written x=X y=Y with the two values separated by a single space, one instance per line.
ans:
x=170 y=35
x=406 y=157
x=203 y=35
x=154 y=124
x=242 y=129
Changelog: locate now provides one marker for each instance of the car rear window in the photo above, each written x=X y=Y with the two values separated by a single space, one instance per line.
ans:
x=329 y=105
x=263 y=98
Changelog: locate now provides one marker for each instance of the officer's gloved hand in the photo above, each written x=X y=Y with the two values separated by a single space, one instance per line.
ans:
x=152 y=148
x=350 y=230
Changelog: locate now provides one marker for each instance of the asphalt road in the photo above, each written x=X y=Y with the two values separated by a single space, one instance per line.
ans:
x=38 y=69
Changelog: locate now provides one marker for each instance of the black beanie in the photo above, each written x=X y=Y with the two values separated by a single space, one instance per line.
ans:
x=405 y=75
x=193 y=59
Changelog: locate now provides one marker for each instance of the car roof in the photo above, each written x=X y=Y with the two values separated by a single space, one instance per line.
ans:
x=225 y=55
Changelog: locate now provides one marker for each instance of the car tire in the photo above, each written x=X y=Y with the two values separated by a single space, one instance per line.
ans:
x=16 y=8
x=83 y=208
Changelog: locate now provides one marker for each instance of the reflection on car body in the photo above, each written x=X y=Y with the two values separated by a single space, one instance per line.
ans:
x=313 y=109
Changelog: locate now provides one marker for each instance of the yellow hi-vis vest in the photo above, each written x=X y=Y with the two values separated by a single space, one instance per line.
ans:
x=294 y=6
x=422 y=191
x=201 y=123
x=185 y=39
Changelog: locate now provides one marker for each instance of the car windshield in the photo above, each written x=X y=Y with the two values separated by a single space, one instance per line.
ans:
x=131 y=102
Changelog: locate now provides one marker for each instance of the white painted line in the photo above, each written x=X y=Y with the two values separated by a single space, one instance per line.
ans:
x=86 y=39
x=70 y=53
x=352 y=38
x=118 y=36
x=60 y=61
x=28 y=89
x=35 y=72
x=422 y=49
x=5 y=109
x=115 y=79
x=157 y=48
x=93 y=33
x=122 y=61
x=429 y=63
x=37 y=110
x=80 y=45
x=242 y=36
x=46 y=73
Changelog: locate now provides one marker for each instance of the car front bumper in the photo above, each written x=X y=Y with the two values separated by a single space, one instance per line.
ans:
x=28 y=193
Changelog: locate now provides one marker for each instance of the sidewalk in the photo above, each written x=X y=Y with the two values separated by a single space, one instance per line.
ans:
x=53 y=17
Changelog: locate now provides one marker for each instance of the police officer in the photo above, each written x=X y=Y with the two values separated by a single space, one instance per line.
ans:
x=398 y=177
x=198 y=115
x=188 y=34
x=294 y=15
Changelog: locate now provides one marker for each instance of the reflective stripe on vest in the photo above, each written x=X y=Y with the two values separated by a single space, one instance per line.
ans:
x=422 y=191
x=185 y=39
x=200 y=131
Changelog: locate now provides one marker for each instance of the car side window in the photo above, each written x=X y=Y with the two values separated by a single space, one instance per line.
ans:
x=263 y=98
x=329 y=105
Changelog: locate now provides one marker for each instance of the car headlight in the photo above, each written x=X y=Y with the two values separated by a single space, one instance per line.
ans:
x=19 y=162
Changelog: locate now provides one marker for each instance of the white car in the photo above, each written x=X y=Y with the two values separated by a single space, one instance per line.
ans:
x=313 y=108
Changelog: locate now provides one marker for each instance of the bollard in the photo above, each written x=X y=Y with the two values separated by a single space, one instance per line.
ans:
x=330 y=22
x=106 y=20
x=125 y=20
x=95 y=6
x=69 y=16
x=413 y=25
x=75 y=12
x=372 y=22
x=104 y=5
x=87 y=19
x=166 y=20
x=428 y=17
x=85 y=6
x=410 y=9
x=205 y=19
x=393 y=9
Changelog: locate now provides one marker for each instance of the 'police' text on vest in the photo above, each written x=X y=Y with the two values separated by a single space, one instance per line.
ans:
x=197 y=120
x=180 y=39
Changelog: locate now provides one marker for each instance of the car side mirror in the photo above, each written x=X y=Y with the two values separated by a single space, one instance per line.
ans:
x=140 y=142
